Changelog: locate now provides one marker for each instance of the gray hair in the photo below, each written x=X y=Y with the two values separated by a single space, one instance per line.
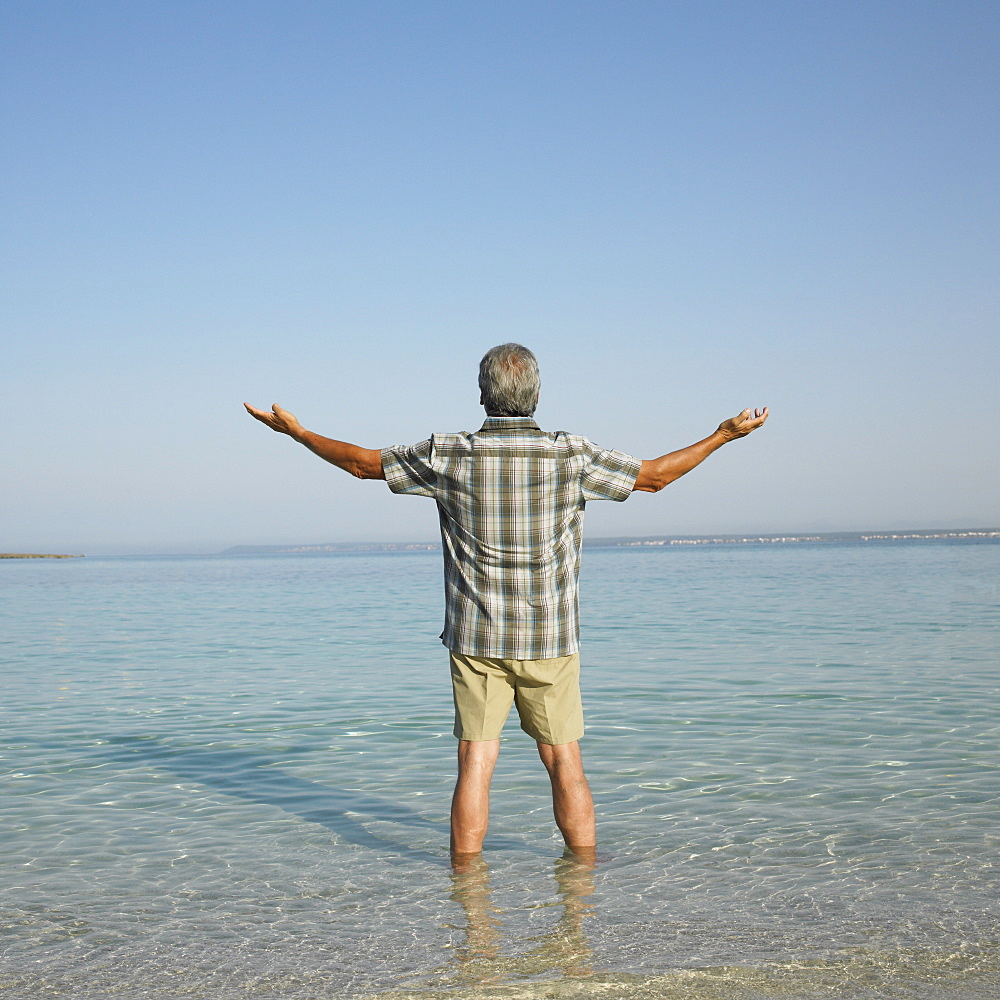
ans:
x=509 y=381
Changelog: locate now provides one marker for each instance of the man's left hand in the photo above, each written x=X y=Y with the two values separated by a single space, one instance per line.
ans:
x=278 y=420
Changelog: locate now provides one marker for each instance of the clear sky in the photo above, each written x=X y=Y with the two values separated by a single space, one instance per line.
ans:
x=683 y=208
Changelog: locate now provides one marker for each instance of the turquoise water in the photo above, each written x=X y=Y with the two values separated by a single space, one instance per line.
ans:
x=230 y=778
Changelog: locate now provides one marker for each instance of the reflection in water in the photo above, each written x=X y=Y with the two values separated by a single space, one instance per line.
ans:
x=470 y=878
x=565 y=947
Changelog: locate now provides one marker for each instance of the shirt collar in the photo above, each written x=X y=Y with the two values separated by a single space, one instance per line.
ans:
x=509 y=423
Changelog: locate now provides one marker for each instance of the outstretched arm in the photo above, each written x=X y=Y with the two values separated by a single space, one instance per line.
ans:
x=365 y=463
x=655 y=473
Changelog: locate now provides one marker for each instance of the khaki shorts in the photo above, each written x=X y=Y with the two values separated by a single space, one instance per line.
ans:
x=546 y=692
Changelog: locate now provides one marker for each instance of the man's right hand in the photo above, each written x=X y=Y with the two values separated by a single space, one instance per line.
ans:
x=655 y=473
x=278 y=420
x=742 y=424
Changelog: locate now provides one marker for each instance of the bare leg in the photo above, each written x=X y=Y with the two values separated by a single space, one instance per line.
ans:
x=470 y=805
x=571 y=800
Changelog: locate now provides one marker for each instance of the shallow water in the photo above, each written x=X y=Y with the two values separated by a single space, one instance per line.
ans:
x=230 y=778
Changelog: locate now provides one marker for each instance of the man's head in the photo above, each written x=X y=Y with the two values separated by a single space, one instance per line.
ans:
x=509 y=381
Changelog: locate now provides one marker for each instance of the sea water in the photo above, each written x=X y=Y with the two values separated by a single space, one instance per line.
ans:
x=230 y=778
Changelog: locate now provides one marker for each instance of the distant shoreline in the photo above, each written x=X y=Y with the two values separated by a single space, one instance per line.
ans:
x=37 y=555
x=651 y=541
x=929 y=535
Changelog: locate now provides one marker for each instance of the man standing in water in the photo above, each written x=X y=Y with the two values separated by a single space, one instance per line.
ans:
x=510 y=500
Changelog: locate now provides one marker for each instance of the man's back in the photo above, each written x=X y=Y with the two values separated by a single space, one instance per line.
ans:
x=511 y=499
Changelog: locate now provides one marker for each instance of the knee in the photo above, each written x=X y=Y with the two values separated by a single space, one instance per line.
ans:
x=476 y=761
x=562 y=760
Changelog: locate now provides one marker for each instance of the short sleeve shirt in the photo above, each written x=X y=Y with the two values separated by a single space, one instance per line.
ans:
x=510 y=501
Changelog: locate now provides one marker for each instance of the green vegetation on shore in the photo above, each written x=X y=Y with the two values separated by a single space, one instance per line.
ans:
x=35 y=555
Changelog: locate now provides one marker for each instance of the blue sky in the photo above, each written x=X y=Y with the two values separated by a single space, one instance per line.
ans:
x=682 y=208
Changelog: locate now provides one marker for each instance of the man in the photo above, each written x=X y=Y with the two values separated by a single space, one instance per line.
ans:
x=510 y=500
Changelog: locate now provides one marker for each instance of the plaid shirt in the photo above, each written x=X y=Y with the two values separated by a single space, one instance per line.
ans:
x=510 y=500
